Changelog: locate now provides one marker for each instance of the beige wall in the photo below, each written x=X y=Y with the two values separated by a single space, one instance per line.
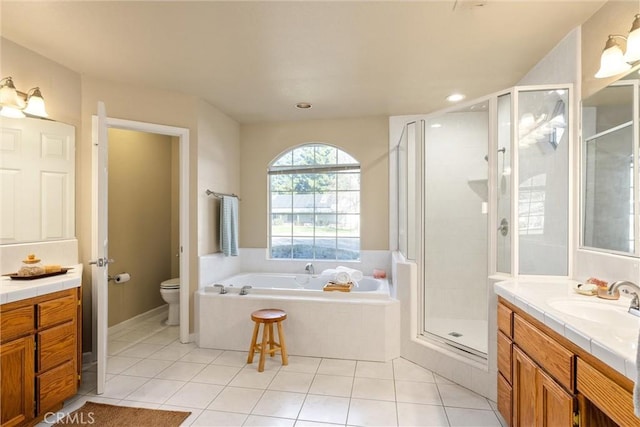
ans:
x=73 y=98
x=139 y=104
x=140 y=220
x=615 y=17
x=60 y=86
x=366 y=139
x=218 y=170
x=166 y=108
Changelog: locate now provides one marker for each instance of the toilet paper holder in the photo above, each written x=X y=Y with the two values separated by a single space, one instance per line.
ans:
x=120 y=278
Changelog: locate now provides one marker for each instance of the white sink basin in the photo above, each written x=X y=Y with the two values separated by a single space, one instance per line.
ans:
x=595 y=311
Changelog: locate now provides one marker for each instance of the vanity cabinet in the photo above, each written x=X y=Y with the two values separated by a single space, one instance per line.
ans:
x=534 y=374
x=40 y=355
x=17 y=381
x=546 y=380
x=538 y=400
x=505 y=362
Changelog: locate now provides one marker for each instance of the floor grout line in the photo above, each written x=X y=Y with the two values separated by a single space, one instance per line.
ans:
x=366 y=371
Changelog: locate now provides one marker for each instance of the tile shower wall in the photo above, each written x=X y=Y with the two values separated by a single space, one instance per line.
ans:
x=472 y=375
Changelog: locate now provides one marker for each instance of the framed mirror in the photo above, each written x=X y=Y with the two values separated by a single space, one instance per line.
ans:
x=37 y=180
x=609 y=189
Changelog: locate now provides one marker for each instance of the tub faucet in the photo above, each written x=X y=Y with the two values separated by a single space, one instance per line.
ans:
x=309 y=268
x=634 y=307
x=222 y=289
x=244 y=290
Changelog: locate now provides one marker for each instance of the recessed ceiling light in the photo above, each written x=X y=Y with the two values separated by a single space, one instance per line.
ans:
x=303 y=105
x=436 y=125
x=455 y=97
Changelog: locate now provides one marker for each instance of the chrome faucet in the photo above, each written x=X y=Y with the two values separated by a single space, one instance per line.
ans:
x=634 y=307
x=309 y=268
x=222 y=289
x=244 y=290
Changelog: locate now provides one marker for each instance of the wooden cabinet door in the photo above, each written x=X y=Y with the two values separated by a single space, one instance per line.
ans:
x=555 y=405
x=524 y=389
x=504 y=399
x=16 y=382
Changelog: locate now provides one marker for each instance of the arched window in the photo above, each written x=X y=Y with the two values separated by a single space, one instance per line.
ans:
x=314 y=209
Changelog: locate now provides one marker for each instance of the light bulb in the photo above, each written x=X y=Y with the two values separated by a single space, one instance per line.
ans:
x=35 y=104
x=633 y=41
x=612 y=60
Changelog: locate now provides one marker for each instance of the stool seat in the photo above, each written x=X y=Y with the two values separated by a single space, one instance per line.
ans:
x=267 y=317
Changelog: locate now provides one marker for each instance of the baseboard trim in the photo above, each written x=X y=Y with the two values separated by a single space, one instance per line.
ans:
x=87 y=358
x=194 y=338
x=140 y=317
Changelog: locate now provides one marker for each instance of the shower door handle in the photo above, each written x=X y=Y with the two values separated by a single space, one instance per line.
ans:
x=503 y=228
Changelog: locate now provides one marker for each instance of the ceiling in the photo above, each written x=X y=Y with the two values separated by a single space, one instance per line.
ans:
x=256 y=60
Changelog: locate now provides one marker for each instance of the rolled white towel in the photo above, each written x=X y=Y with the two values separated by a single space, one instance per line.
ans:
x=356 y=275
x=342 y=277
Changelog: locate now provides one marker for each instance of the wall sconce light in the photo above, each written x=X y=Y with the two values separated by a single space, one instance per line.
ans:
x=15 y=104
x=613 y=60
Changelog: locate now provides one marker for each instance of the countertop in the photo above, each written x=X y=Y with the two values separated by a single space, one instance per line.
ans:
x=615 y=343
x=16 y=290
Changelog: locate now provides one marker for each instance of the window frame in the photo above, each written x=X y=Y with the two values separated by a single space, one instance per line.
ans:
x=336 y=168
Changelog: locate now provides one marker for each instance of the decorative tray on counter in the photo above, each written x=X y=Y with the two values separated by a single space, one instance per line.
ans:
x=14 y=276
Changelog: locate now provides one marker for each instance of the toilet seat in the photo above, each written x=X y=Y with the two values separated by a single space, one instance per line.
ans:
x=170 y=284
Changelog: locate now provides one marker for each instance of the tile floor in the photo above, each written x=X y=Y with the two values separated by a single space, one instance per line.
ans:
x=149 y=367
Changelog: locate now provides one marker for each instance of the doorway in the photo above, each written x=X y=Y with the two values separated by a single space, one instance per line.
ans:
x=99 y=294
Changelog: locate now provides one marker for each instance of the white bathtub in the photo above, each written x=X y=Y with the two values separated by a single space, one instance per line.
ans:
x=299 y=284
x=363 y=324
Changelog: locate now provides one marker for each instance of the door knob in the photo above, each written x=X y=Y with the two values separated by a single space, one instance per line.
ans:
x=101 y=262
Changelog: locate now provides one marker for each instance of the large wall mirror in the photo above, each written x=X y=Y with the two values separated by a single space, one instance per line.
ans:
x=609 y=172
x=37 y=180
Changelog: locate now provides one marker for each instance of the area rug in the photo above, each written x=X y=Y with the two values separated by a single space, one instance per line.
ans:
x=103 y=415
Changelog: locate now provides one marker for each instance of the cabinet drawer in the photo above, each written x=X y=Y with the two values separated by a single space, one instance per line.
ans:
x=57 y=310
x=16 y=323
x=56 y=385
x=56 y=345
x=504 y=399
x=556 y=360
x=504 y=356
x=608 y=396
x=505 y=316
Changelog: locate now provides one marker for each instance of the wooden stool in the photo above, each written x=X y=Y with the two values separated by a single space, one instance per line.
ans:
x=268 y=317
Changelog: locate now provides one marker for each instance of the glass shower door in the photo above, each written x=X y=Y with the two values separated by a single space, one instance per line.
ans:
x=455 y=228
x=543 y=182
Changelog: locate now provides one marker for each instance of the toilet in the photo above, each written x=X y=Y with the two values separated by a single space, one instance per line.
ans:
x=170 y=291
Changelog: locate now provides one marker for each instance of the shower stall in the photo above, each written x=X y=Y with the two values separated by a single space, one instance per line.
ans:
x=482 y=193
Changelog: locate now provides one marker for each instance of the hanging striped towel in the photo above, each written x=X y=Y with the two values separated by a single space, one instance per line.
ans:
x=229 y=225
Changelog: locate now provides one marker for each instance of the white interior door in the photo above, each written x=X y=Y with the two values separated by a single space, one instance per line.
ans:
x=100 y=247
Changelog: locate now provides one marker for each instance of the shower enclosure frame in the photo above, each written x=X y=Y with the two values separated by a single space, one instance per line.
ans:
x=418 y=330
